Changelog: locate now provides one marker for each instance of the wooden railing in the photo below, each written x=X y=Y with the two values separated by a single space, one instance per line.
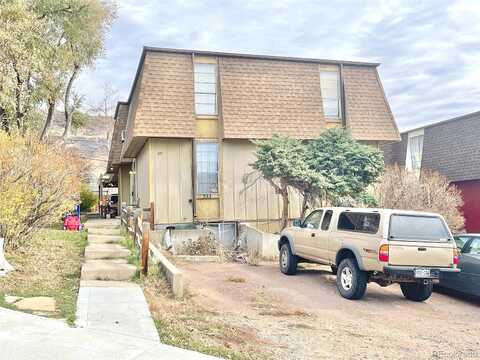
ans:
x=132 y=220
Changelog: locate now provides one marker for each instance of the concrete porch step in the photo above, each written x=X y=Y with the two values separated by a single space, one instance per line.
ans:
x=104 y=239
x=115 y=270
x=104 y=231
x=105 y=251
x=103 y=224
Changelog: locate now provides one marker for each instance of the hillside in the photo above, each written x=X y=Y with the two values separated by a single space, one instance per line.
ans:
x=91 y=142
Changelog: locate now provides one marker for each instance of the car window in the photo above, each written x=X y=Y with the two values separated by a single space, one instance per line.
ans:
x=359 y=222
x=416 y=227
x=326 y=219
x=313 y=220
x=461 y=241
x=474 y=247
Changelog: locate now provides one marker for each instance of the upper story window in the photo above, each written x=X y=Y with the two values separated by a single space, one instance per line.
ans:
x=331 y=98
x=413 y=161
x=205 y=89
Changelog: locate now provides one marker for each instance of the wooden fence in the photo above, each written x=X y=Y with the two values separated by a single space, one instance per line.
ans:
x=133 y=220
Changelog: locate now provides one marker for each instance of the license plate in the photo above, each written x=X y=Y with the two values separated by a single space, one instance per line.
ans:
x=422 y=273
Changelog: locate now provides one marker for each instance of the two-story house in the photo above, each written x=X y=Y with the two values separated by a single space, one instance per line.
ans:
x=450 y=147
x=183 y=137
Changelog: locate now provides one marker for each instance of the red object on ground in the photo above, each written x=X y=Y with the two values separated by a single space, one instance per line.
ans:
x=471 y=207
x=72 y=223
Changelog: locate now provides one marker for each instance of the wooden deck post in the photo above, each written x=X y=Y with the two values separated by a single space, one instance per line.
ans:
x=145 y=247
x=152 y=216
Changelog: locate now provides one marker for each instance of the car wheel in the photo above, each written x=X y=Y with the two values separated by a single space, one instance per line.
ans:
x=351 y=281
x=416 y=291
x=288 y=261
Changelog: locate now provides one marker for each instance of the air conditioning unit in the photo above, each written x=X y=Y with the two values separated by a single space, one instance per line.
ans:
x=123 y=135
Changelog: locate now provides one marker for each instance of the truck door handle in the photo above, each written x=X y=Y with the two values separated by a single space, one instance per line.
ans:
x=422 y=249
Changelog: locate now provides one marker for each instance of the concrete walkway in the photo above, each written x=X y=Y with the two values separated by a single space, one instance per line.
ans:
x=29 y=337
x=104 y=303
x=113 y=319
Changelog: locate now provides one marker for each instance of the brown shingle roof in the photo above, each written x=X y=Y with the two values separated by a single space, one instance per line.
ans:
x=368 y=113
x=265 y=97
x=260 y=96
x=121 y=115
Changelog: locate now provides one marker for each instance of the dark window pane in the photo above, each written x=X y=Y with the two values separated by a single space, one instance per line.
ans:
x=207 y=167
x=326 y=220
x=411 y=227
x=359 y=222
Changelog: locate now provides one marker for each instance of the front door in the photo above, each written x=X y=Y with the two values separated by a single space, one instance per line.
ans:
x=172 y=179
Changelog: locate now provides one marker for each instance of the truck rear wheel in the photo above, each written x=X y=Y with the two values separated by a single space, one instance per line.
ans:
x=288 y=261
x=416 y=291
x=351 y=281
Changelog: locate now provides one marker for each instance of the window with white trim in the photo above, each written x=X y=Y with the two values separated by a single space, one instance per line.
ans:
x=330 y=88
x=413 y=161
x=205 y=89
x=206 y=157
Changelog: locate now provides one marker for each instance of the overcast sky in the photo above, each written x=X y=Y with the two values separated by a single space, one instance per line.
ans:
x=429 y=50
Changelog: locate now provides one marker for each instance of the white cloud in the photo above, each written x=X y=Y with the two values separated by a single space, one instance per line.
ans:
x=429 y=50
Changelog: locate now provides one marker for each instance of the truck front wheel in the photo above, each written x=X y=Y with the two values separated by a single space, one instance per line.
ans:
x=416 y=291
x=351 y=281
x=288 y=261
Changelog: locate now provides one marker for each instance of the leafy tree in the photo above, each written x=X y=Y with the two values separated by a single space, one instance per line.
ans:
x=38 y=183
x=87 y=198
x=347 y=166
x=332 y=169
x=85 y=37
x=44 y=45
x=22 y=43
x=281 y=161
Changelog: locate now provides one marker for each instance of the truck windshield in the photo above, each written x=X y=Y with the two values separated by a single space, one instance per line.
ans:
x=413 y=227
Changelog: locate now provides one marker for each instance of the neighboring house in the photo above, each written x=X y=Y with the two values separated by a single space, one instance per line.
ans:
x=450 y=147
x=183 y=138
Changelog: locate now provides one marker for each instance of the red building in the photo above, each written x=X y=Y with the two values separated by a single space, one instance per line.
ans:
x=471 y=207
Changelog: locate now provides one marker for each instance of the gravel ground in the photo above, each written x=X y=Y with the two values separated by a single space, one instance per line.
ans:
x=303 y=316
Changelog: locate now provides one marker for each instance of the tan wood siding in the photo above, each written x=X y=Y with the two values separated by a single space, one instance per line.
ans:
x=246 y=197
x=124 y=184
x=171 y=164
x=143 y=176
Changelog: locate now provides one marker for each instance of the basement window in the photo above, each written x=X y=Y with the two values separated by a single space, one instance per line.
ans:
x=205 y=89
x=330 y=88
x=207 y=168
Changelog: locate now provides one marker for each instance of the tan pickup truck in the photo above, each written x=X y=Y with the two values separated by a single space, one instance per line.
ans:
x=380 y=245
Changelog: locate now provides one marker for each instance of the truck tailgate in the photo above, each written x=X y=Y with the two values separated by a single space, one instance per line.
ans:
x=428 y=254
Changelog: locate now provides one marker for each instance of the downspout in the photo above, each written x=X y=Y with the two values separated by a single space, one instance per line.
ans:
x=343 y=99
x=194 y=161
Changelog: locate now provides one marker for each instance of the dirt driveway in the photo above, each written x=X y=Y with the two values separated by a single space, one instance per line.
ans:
x=303 y=317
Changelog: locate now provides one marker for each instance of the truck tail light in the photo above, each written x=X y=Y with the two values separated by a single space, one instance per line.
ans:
x=383 y=253
x=455 y=256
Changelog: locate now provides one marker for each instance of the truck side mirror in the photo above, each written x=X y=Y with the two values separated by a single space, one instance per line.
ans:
x=297 y=222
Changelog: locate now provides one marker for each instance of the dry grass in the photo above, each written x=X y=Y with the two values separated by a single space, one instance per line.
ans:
x=48 y=265
x=185 y=324
x=205 y=245
x=253 y=258
x=236 y=279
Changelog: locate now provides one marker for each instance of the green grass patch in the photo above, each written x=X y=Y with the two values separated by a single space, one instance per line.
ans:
x=134 y=257
x=49 y=264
